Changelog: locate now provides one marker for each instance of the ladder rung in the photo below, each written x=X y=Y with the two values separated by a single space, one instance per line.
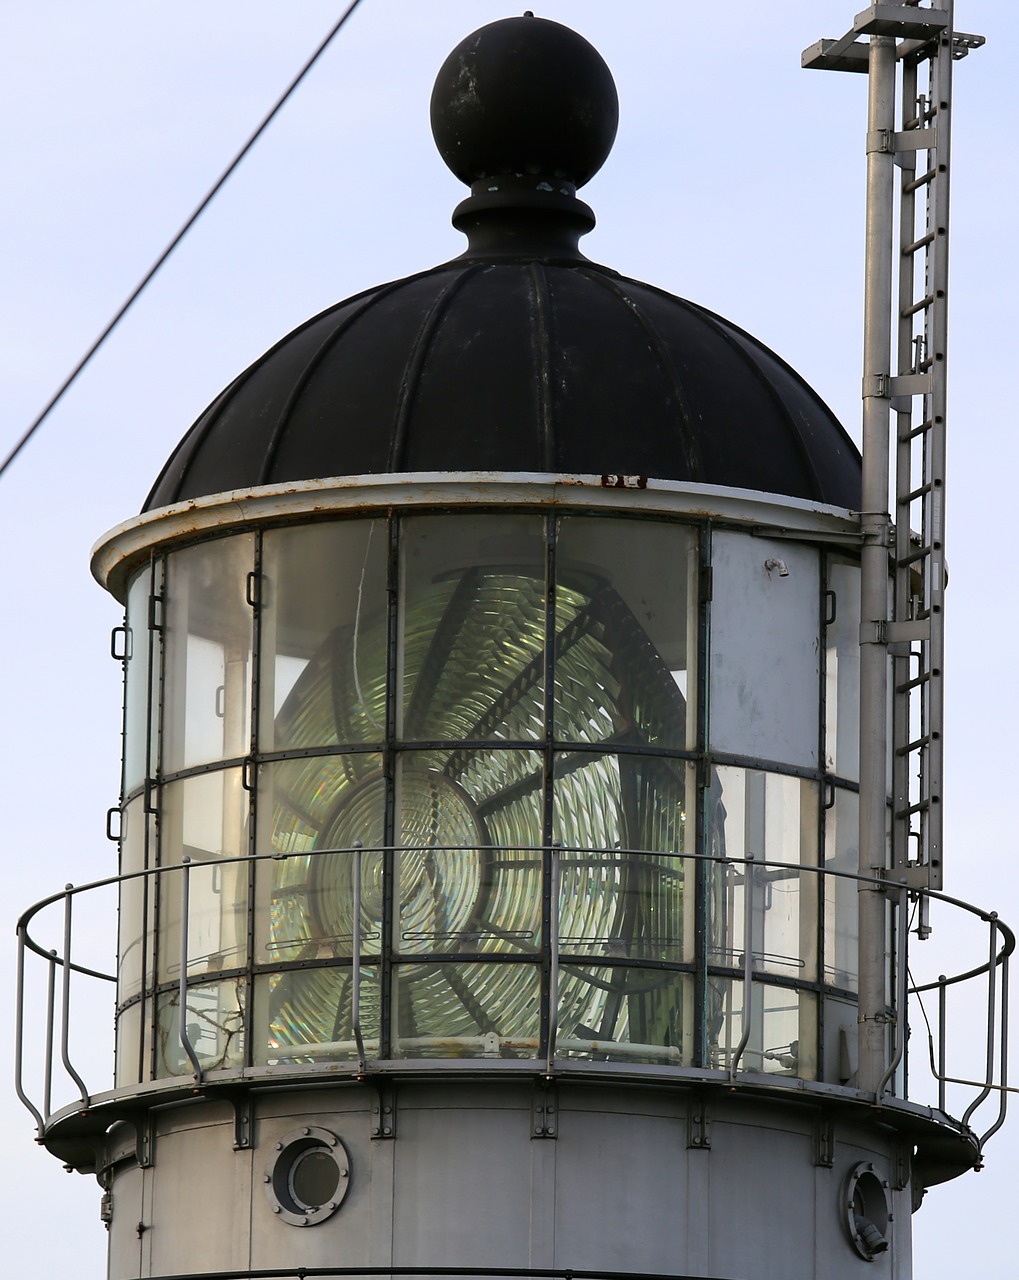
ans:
x=918 y=493
x=919 y=121
x=906 y=312
x=906 y=561
x=917 y=245
x=914 y=184
x=921 y=806
x=918 y=430
x=915 y=683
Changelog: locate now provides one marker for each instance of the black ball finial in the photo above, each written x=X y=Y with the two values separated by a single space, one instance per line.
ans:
x=524 y=96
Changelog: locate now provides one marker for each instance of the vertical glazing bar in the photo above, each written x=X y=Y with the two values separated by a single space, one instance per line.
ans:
x=705 y=1043
x=392 y=822
x=19 y=1030
x=749 y=887
x=51 y=1004
x=253 y=748
x=555 y=851
x=549 y=903
x=185 y=1039
x=875 y=528
x=65 y=1020
x=355 y=969
x=992 y=1002
x=942 y=1036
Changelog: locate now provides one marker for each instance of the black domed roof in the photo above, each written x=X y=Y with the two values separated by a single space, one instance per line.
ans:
x=520 y=355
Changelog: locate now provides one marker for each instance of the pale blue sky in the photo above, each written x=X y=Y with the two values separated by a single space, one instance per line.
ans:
x=736 y=180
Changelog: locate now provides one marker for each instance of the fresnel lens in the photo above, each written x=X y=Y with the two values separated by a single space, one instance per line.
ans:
x=517 y=696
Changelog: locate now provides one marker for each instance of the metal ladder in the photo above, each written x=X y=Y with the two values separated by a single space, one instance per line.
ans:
x=926 y=47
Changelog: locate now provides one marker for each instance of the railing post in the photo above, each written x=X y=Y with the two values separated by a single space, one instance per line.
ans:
x=19 y=1031
x=65 y=1020
x=355 y=970
x=185 y=903
x=992 y=975
x=51 y=1007
x=942 y=1037
x=749 y=885
x=553 y=971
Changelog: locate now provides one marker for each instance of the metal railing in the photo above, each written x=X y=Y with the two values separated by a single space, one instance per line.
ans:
x=437 y=1273
x=914 y=1001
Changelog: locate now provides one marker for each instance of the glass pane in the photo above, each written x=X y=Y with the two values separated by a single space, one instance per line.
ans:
x=305 y=898
x=772 y=818
x=472 y=881
x=215 y=1027
x=306 y=1015
x=782 y=1034
x=626 y=632
x=623 y=802
x=625 y=1014
x=473 y=603
x=322 y=672
x=842 y=673
x=129 y=1066
x=204 y=818
x=137 y=684
x=765 y=649
x=841 y=894
x=137 y=896
x=466 y=1010
x=632 y=906
x=207 y=646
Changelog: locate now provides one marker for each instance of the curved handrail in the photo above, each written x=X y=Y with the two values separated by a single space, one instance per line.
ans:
x=1001 y=945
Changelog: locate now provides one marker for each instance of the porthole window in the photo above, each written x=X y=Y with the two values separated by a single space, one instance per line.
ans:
x=307 y=1176
x=867 y=1211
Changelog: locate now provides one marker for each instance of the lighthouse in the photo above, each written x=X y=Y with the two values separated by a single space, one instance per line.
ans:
x=489 y=895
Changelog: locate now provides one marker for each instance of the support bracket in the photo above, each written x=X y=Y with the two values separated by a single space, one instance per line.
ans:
x=384 y=1110
x=244 y=1120
x=824 y=1140
x=698 y=1123
x=545 y=1109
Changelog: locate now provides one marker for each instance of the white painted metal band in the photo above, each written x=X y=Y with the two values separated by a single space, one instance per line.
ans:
x=124 y=547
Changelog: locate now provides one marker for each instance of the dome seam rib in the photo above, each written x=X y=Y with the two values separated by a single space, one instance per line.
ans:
x=541 y=345
x=722 y=329
x=418 y=355
x=688 y=439
x=199 y=430
x=342 y=329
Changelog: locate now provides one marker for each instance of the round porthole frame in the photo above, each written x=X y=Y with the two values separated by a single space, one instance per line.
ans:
x=282 y=1188
x=868 y=1211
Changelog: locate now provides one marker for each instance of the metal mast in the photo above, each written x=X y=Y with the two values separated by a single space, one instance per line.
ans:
x=906 y=291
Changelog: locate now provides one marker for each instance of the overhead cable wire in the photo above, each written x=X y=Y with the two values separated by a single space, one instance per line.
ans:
x=199 y=210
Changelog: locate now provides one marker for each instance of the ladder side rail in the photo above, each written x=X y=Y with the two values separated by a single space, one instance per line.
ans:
x=903 y=682
x=935 y=412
